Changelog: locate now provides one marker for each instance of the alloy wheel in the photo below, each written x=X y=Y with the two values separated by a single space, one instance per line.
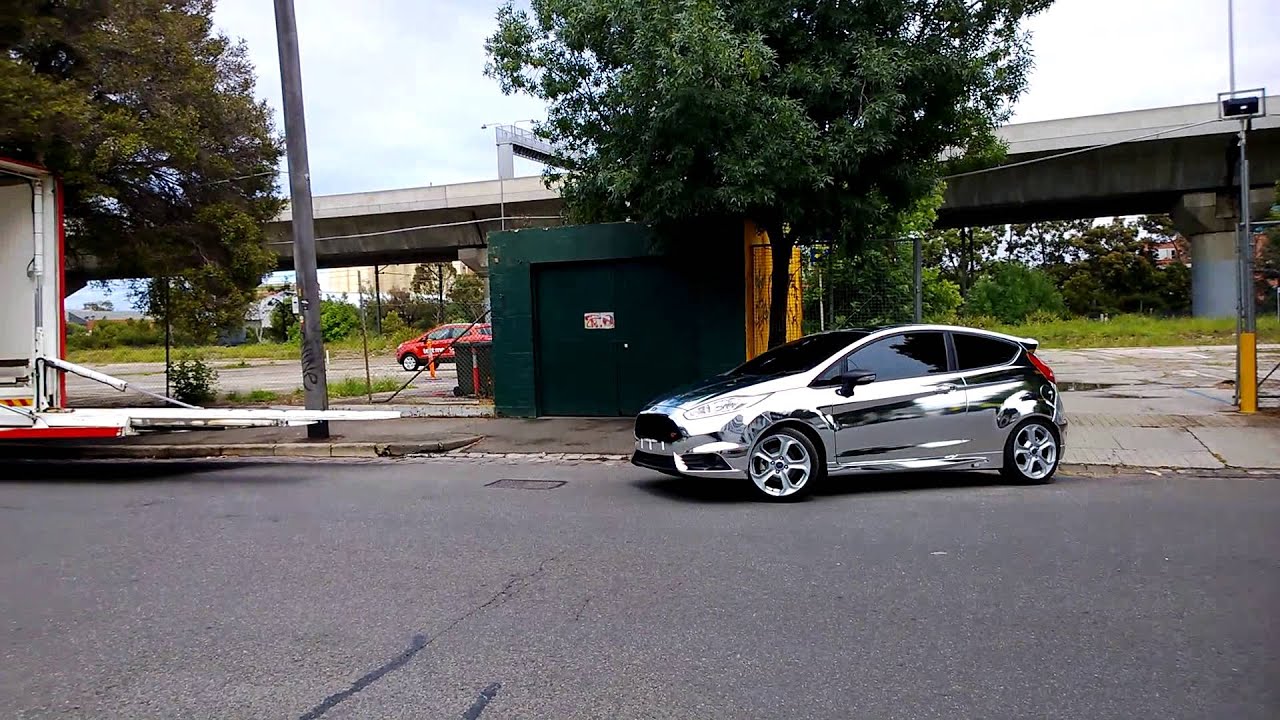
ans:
x=1035 y=451
x=781 y=465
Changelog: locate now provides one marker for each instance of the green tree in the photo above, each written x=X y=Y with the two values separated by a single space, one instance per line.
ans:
x=962 y=254
x=466 y=299
x=1011 y=291
x=283 y=322
x=1046 y=244
x=168 y=161
x=338 y=321
x=940 y=298
x=820 y=121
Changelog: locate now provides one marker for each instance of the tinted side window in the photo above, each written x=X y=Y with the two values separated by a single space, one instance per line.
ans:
x=975 y=351
x=901 y=356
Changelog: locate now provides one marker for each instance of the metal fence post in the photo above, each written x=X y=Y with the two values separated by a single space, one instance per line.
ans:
x=918 y=276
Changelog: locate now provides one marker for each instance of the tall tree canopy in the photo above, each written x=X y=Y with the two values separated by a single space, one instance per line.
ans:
x=817 y=119
x=148 y=115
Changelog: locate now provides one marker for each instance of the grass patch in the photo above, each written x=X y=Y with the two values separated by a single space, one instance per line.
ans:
x=1132 y=331
x=350 y=387
x=253 y=396
x=355 y=386
x=239 y=355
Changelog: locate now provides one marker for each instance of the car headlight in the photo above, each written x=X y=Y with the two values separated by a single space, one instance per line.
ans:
x=722 y=406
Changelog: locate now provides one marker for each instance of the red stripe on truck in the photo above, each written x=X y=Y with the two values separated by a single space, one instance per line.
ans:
x=59 y=433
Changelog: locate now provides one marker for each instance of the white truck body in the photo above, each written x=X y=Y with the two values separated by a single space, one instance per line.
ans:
x=33 y=397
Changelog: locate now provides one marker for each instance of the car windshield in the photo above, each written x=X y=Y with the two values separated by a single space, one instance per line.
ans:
x=800 y=355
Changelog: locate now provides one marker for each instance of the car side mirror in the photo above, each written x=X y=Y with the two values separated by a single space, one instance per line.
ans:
x=852 y=379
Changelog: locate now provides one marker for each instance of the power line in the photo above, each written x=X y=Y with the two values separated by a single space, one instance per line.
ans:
x=1081 y=150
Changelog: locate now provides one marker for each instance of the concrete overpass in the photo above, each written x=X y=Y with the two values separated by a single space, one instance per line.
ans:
x=1185 y=165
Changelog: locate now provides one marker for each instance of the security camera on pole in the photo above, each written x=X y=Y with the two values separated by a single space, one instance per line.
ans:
x=1245 y=105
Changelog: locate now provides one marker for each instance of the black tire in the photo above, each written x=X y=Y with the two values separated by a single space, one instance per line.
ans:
x=410 y=362
x=1032 y=452
x=789 y=448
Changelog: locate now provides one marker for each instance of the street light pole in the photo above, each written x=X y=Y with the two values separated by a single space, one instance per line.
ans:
x=502 y=166
x=314 y=380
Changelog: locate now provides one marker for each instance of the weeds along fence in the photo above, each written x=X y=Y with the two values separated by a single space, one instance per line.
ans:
x=430 y=343
x=877 y=285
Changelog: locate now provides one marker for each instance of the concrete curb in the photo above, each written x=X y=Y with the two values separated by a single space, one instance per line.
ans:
x=1093 y=469
x=244 y=450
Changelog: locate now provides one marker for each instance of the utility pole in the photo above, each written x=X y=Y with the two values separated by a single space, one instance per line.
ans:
x=377 y=299
x=1248 y=344
x=314 y=381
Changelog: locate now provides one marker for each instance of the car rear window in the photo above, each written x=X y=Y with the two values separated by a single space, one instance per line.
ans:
x=974 y=352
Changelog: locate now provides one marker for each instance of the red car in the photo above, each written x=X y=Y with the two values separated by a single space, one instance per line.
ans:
x=438 y=343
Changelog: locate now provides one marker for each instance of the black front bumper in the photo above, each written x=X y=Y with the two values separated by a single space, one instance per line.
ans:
x=662 y=463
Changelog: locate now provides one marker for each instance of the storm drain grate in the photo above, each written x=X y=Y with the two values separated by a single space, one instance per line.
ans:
x=526 y=484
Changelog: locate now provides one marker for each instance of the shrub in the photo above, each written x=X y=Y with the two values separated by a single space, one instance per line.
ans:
x=1012 y=291
x=940 y=298
x=338 y=321
x=193 y=381
x=395 y=328
x=1043 y=317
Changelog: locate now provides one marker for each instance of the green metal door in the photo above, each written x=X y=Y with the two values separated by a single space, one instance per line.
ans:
x=610 y=336
x=659 y=341
x=576 y=367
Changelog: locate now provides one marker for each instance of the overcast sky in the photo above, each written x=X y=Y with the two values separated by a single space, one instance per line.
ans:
x=395 y=90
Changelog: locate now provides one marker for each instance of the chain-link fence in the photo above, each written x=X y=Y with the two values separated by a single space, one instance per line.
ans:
x=407 y=334
x=435 y=338
x=874 y=286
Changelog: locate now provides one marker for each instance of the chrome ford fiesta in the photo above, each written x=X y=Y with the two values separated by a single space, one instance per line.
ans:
x=915 y=397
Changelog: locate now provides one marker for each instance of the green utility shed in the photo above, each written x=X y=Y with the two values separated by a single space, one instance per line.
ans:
x=597 y=320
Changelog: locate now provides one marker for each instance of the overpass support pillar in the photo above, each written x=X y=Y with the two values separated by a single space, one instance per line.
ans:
x=1211 y=221
x=477 y=260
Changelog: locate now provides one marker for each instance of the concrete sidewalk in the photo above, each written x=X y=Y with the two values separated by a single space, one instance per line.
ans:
x=1164 y=408
x=1134 y=407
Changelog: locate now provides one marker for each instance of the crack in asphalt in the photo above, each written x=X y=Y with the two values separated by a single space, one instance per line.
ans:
x=577 y=616
x=486 y=697
x=420 y=642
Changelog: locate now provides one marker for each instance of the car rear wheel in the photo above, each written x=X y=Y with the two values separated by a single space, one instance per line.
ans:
x=409 y=362
x=1032 y=452
x=784 y=465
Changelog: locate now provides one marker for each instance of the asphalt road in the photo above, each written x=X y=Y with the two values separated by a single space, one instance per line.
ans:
x=414 y=590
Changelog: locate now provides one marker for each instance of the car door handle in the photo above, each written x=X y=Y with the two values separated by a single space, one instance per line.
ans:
x=945 y=388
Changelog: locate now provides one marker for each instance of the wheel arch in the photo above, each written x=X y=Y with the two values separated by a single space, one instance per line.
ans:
x=804 y=429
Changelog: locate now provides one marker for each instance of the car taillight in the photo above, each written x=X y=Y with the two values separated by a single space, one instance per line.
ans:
x=1044 y=369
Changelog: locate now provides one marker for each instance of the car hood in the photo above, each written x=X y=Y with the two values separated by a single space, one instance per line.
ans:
x=694 y=394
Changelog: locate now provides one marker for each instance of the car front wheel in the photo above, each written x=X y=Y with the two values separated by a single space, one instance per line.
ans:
x=1032 y=452
x=784 y=465
x=409 y=362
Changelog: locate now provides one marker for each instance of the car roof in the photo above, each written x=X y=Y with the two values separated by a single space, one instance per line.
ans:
x=884 y=330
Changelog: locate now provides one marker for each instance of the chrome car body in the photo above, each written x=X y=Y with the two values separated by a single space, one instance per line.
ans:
x=949 y=418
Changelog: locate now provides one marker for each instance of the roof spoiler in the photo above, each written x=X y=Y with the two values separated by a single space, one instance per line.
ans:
x=1029 y=344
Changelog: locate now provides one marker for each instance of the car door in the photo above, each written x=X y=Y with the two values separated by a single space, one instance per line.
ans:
x=912 y=415
x=992 y=381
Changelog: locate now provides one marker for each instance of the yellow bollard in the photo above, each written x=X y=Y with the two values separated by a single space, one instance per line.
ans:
x=1248 y=350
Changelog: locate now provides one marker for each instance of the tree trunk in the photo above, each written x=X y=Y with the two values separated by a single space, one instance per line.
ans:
x=779 y=285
